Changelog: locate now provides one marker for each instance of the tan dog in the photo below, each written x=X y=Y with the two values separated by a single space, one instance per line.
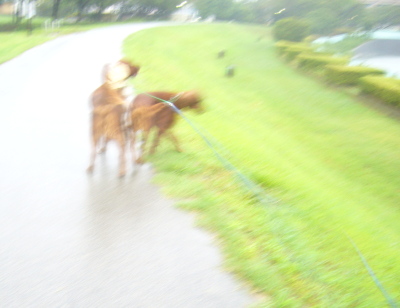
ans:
x=109 y=110
x=108 y=123
x=147 y=112
x=114 y=77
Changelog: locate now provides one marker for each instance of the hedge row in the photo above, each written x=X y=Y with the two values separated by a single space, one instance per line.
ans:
x=305 y=55
x=292 y=52
x=384 y=88
x=349 y=75
x=316 y=61
x=283 y=46
x=336 y=70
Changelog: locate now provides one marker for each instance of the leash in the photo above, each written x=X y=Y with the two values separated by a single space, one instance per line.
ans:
x=254 y=188
x=373 y=276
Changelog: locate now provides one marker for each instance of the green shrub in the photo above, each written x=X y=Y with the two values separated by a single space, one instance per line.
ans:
x=342 y=30
x=281 y=46
x=316 y=61
x=291 y=29
x=310 y=38
x=349 y=75
x=384 y=88
x=292 y=51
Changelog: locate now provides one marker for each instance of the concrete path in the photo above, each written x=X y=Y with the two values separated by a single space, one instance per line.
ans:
x=69 y=240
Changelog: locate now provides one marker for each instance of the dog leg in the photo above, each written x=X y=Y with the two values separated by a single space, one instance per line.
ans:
x=122 y=163
x=91 y=165
x=92 y=157
x=156 y=142
x=96 y=136
x=133 y=145
x=174 y=141
x=145 y=136
x=103 y=147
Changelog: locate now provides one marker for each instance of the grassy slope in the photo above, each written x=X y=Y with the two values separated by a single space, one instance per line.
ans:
x=331 y=162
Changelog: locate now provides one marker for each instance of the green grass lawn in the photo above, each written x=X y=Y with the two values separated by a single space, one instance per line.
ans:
x=13 y=43
x=330 y=161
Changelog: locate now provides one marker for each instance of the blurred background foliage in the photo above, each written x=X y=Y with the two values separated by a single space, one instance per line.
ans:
x=324 y=17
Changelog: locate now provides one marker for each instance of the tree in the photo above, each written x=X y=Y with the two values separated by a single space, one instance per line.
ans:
x=221 y=9
x=149 y=8
x=81 y=5
x=291 y=29
x=262 y=10
x=56 y=7
x=324 y=15
x=382 y=16
x=61 y=8
x=293 y=8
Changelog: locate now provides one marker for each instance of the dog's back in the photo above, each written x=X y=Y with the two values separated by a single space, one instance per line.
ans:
x=151 y=98
x=105 y=95
x=148 y=111
x=159 y=115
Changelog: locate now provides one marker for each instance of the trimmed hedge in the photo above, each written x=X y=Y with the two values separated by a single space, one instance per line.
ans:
x=315 y=61
x=292 y=52
x=283 y=46
x=349 y=75
x=384 y=88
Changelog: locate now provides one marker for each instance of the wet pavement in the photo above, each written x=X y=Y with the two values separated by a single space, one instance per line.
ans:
x=380 y=53
x=71 y=240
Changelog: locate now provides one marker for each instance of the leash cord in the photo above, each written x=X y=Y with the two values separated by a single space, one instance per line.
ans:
x=373 y=276
x=254 y=188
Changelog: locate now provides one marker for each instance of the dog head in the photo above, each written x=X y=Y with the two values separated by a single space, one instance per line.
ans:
x=132 y=69
x=117 y=73
x=192 y=100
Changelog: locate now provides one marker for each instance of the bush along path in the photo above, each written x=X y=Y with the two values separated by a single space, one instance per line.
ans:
x=336 y=71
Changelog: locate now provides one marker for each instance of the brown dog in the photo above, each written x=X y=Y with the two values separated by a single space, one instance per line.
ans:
x=109 y=110
x=147 y=111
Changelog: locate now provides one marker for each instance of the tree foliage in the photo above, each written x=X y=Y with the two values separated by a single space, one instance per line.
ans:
x=95 y=8
x=291 y=29
x=222 y=9
x=324 y=15
x=244 y=11
x=382 y=16
x=154 y=8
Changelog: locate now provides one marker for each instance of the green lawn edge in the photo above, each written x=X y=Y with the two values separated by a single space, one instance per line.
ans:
x=14 y=43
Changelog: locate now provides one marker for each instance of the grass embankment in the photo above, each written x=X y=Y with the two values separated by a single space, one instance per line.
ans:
x=14 y=42
x=330 y=161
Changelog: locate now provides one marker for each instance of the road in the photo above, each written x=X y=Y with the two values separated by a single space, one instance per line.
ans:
x=72 y=240
x=380 y=53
